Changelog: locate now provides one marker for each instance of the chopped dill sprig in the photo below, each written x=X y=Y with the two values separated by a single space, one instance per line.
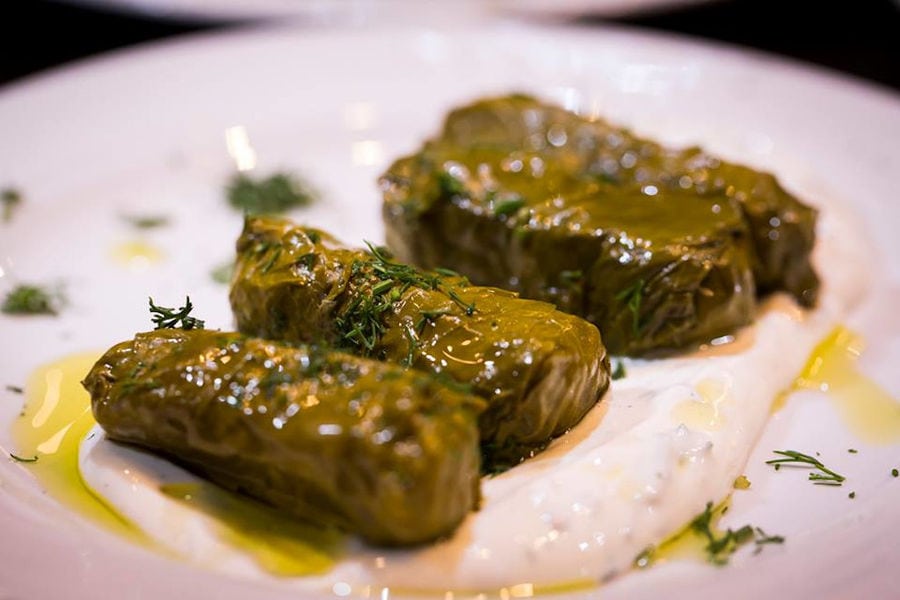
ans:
x=146 y=221
x=446 y=272
x=895 y=473
x=428 y=316
x=11 y=199
x=619 y=370
x=824 y=476
x=275 y=194
x=719 y=547
x=505 y=208
x=413 y=341
x=571 y=278
x=450 y=185
x=171 y=318
x=23 y=459
x=382 y=282
x=633 y=296
x=762 y=538
x=32 y=300
x=223 y=273
x=15 y=389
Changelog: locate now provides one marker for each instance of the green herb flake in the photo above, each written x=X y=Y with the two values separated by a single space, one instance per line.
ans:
x=823 y=476
x=275 y=194
x=446 y=272
x=382 y=282
x=146 y=221
x=31 y=300
x=571 y=278
x=762 y=539
x=170 y=318
x=450 y=185
x=11 y=199
x=633 y=296
x=619 y=370
x=308 y=260
x=852 y=450
x=851 y=495
x=23 y=459
x=895 y=472
x=719 y=548
x=223 y=273
x=505 y=208
x=15 y=389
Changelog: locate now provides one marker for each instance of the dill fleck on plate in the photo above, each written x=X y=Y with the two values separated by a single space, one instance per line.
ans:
x=32 y=300
x=275 y=194
x=824 y=476
x=146 y=221
x=619 y=370
x=11 y=199
x=223 y=273
x=24 y=459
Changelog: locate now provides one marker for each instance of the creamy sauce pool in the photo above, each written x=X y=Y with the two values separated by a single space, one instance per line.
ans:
x=670 y=437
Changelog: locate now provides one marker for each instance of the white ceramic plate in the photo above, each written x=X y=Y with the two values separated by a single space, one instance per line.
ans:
x=368 y=11
x=144 y=132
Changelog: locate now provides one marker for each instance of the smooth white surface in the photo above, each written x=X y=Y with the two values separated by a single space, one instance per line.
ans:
x=360 y=12
x=144 y=132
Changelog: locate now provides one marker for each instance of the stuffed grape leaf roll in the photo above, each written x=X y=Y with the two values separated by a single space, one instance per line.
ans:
x=328 y=437
x=660 y=248
x=539 y=369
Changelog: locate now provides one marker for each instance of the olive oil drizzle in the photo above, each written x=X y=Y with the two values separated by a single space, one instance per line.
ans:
x=704 y=538
x=55 y=419
x=281 y=546
x=47 y=436
x=865 y=407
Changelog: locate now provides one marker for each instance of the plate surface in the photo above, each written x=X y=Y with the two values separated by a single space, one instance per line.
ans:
x=385 y=11
x=144 y=132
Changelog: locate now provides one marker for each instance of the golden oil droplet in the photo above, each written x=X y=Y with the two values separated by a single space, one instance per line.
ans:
x=137 y=255
x=867 y=409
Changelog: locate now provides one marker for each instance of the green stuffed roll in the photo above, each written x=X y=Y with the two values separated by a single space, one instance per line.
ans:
x=328 y=437
x=539 y=369
x=661 y=248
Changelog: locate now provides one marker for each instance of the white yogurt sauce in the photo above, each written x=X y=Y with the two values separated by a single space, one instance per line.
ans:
x=670 y=437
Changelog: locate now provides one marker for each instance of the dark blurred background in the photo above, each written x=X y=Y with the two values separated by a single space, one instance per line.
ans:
x=857 y=37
